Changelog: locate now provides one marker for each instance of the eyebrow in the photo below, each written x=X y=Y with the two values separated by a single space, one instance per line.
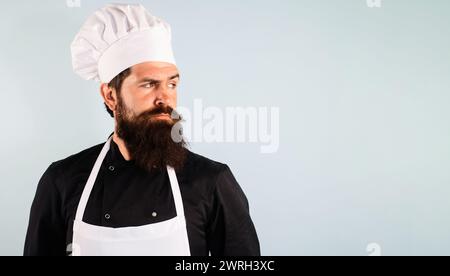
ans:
x=147 y=79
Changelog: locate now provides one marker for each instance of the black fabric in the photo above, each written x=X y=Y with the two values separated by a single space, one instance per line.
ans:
x=216 y=208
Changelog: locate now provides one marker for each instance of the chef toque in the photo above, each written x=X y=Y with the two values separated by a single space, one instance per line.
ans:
x=117 y=37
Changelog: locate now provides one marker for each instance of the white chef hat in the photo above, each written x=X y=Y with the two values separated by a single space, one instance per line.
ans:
x=117 y=37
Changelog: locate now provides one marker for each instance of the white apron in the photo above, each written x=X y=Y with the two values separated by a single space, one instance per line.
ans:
x=167 y=238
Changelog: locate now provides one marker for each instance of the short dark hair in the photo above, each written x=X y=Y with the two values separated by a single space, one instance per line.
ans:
x=116 y=84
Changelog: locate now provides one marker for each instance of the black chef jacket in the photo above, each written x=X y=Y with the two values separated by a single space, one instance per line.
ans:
x=216 y=209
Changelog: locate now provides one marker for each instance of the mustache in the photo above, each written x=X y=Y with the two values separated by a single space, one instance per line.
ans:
x=161 y=109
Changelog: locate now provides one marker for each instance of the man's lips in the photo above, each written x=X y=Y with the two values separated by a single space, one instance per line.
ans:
x=161 y=115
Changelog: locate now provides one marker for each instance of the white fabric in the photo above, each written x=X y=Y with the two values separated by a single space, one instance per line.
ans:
x=117 y=37
x=167 y=238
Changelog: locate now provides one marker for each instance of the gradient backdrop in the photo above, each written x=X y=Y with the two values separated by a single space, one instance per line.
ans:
x=363 y=94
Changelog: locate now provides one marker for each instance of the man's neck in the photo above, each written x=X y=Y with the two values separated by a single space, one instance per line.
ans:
x=121 y=144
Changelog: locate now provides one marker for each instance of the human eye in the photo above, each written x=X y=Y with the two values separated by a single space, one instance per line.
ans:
x=148 y=85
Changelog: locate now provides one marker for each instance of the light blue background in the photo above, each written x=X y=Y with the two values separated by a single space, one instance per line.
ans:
x=364 y=103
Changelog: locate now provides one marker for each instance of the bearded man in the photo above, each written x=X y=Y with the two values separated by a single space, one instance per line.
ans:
x=142 y=192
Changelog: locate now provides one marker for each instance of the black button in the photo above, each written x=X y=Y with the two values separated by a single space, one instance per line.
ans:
x=111 y=168
x=107 y=216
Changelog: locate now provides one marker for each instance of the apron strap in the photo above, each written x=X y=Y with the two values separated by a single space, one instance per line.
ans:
x=91 y=180
x=176 y=192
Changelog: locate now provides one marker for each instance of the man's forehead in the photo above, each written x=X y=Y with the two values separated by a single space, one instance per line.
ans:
x=154 y=70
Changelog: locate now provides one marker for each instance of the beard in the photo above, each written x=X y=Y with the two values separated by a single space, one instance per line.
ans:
x=152 y=144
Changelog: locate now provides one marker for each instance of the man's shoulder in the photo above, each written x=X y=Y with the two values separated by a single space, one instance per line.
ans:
x=84 y=158
x=200 y=165
x=203 y=174
x=78 y=164
x=197 y=160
